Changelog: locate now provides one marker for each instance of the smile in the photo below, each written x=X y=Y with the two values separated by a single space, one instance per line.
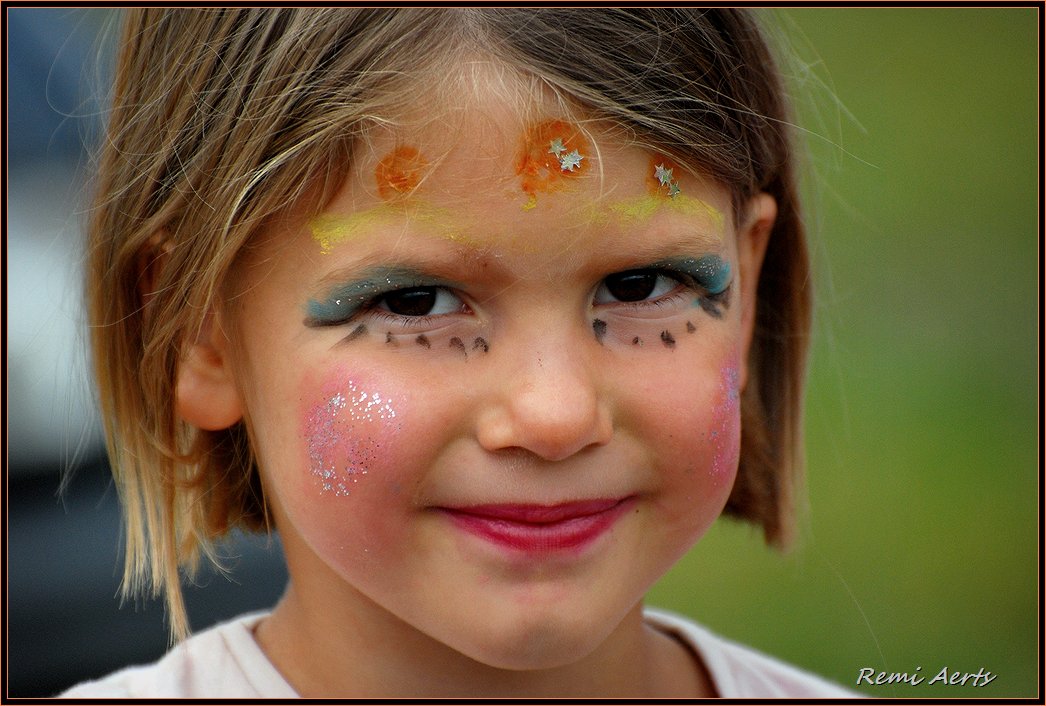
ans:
x=541 y=528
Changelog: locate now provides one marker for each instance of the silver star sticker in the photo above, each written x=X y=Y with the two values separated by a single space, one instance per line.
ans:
x=663 y=175
x=673 y=189
x=570 y=161
x=556 y=147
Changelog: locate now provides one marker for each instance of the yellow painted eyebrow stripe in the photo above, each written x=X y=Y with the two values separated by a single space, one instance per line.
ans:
x=641 y=208
x=331 y=229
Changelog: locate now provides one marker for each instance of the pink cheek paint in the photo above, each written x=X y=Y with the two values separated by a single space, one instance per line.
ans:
x=726 y=419
x=347 y=433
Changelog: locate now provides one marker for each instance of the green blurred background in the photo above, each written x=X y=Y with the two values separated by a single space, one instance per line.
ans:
x=920 y=543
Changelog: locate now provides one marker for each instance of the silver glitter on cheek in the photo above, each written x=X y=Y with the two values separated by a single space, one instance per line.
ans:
x=344 y=437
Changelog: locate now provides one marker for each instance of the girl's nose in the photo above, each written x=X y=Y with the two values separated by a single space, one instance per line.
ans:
x=547 y=401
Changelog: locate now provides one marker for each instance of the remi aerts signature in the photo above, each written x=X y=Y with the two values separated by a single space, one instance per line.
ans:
x=945 y=676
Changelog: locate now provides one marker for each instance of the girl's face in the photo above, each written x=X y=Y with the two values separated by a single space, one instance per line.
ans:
x=494 y=385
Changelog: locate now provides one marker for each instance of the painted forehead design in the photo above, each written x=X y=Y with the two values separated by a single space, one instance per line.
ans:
x=399 y=172
x=551 y=154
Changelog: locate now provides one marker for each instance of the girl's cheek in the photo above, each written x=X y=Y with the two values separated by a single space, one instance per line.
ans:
x=350 y=477
x=701 y=440
x=724 y=435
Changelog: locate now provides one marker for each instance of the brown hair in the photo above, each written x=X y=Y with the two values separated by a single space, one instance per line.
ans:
x=223 y=118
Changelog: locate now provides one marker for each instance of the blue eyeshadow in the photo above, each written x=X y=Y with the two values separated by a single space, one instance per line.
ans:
x=345 y=300
x=710 y=272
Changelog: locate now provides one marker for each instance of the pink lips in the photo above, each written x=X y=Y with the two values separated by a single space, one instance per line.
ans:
x=540 y=528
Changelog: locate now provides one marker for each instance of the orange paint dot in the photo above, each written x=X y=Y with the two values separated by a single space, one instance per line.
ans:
x=399 y=172
x=549 y=156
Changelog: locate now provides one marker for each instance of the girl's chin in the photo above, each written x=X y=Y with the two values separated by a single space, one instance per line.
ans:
x=532 y=639
x=530 y=653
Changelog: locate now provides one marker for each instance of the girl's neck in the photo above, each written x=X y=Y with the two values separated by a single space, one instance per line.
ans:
x=357 y=649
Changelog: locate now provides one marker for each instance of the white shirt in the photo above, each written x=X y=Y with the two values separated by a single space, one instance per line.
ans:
x=226 y=662
x=740 y=672
x=221 y=662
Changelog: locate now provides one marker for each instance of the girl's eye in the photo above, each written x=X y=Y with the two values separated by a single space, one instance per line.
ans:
x=634 y=286
x=420 y=301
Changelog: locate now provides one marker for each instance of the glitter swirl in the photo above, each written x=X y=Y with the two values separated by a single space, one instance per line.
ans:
x=344 y=436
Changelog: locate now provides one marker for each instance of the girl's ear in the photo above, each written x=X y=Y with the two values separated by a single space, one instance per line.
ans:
x=206 y=394
x=752 y=239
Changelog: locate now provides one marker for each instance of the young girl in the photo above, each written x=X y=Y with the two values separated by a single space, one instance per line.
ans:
x=488 y=312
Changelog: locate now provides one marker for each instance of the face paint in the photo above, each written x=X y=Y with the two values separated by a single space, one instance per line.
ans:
x=330 y=229
x=642 y=208
x=668 y=340
x=662 y=194
x=713 y=305
x=399 y=173
x=552 y=153
x=346 y=433
x=726 y=436
x=480 y=344
x=599 y=328
x=356 y=333
x=345 y=301
x=690 y=328
x=711 y=272
x=457 y=344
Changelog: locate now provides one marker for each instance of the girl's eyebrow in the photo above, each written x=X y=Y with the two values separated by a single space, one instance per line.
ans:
x=696 y=243
x=701 y=239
